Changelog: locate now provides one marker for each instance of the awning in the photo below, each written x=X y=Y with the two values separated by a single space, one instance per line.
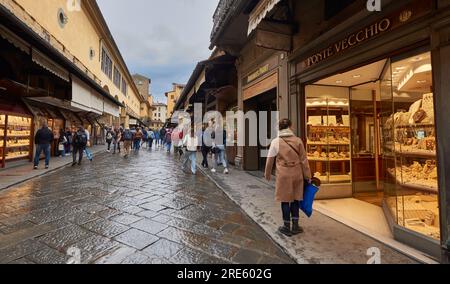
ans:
x=49 y=65
x=259 y=13
x=14 y=40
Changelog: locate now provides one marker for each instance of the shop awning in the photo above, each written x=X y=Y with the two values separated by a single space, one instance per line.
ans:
x=49 y=65
x=14 y=40
x=260 y=12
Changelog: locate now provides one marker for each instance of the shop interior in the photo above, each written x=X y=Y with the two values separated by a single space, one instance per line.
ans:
x=372 y=130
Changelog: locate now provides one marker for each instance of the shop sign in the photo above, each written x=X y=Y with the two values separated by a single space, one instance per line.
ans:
x=413 y=11
x=258 y=73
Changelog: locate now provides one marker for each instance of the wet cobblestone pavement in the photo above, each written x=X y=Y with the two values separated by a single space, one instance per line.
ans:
x=138 y=210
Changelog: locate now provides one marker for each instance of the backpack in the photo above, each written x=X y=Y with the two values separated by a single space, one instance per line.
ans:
x=109 y=136
x=127 y=135
x=152 y=135
x=81 y=138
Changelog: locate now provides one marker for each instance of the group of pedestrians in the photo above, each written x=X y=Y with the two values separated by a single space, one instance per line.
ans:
x=132 y=139
x=68 y=141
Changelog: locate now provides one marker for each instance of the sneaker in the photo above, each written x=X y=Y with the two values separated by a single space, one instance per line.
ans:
x=46 y=167
x=35 y=167
x=213 y=170
x=226 y=171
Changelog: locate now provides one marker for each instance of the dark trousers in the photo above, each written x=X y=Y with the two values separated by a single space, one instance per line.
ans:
x=77 y=150
x=109 y=145
x=205 y=152
x=150 y=143
x=39 y=149
x=290 y=210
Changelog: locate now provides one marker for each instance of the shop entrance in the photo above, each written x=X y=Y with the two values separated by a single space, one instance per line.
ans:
x=266 y=102
x=371 y=140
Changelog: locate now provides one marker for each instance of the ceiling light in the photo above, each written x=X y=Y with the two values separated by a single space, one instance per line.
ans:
x=400 y=68
x=421 y=81
x=356 y=76
x=339 y=82
x=3 y=89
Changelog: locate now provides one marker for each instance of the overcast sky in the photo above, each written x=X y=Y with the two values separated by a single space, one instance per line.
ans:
x=161 y=39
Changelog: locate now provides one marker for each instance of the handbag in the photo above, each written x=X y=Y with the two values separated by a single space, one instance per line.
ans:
x=60 y=147
x=306 y=205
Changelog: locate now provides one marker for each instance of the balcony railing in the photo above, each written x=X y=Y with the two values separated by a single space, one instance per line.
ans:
x=28 y=19
x=223 y=11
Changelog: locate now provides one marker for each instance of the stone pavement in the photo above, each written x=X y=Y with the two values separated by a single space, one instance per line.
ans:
x=143 y=209
x=24 y=172
x=325 y=241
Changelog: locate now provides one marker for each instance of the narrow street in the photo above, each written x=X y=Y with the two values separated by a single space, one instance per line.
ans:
x=138 y=210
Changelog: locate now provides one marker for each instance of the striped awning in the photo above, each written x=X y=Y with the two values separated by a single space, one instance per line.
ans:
x=50 y=65
x=260 y=12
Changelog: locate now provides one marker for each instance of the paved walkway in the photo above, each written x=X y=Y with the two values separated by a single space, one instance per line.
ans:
x=325 y=240
x=24 y=172
x=143 y=209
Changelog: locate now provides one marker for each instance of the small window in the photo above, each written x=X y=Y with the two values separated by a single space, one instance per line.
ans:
x=124 y=87
x=62 y=18
x=117 y=77
x=107 y=64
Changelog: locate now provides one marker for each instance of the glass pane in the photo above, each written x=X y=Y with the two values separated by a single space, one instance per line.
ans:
x=328 y=133
x=18 y=137
x=2 y=136
x=415 y=145
x=387 y=141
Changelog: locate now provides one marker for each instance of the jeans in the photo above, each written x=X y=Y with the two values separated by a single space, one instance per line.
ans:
x=137 y=145
x=190 y=156
x=221 y=157
x=116 y=146
x=290 y=210
x=79 y=151
x=39 y=149
x=168 y=146
x=63 y=152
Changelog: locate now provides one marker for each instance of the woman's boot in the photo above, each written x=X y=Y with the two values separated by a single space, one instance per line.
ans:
x=286 y=229
x=296 y=229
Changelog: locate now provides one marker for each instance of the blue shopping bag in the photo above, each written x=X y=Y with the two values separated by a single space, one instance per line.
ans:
x=308 y=198
x=89 y=154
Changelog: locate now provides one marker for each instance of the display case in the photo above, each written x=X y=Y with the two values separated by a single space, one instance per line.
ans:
x=18 y=137
x=410 y=148
x=328 y=139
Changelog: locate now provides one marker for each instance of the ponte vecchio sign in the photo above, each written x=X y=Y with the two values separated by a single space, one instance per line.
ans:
x=412 y=11
x=350 y=41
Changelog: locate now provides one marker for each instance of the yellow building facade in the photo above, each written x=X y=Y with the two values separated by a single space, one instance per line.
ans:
x=172 y=98
x=61 y=22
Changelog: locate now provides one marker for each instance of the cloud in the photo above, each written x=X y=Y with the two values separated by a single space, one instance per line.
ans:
x=163 y=39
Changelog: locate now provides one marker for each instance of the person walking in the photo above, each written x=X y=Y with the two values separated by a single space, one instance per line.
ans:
x=117 y=140
x=137 y=138
x=162 y=135
x=206 y=146
x=89 y=155
x=127 y=138
x=144 y=137
x=62 y=141
x=43 y=139
x=151 y=138
x=219 y=138
x=190 y=141
x=69 y=137
x=168 y=140
x=109 y=138
x=157 y=139
x=292 y=169
x=80 y=141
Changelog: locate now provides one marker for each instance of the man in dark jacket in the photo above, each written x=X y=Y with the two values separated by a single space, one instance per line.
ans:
x=43 y=139
x=80 y=140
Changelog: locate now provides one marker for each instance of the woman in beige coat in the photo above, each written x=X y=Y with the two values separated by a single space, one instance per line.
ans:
x=292 y=169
